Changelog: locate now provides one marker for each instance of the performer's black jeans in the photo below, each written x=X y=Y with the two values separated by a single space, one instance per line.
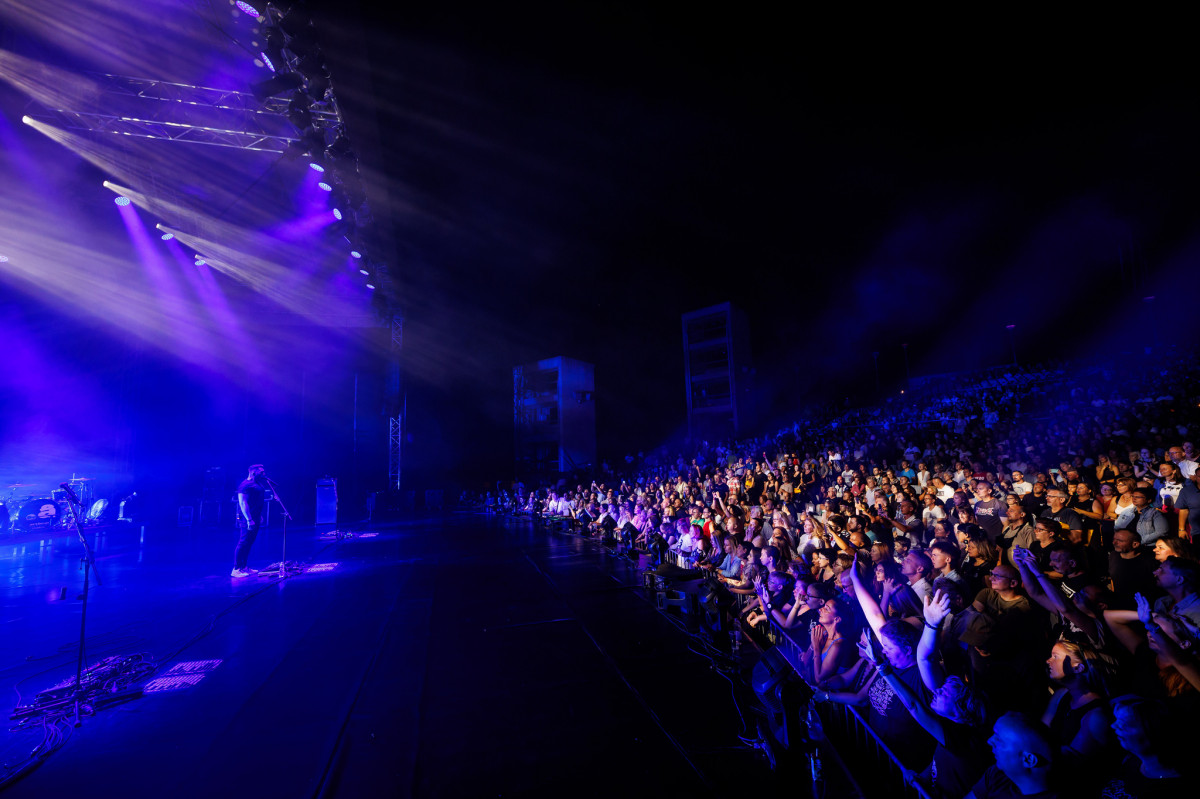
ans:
x=246 y=536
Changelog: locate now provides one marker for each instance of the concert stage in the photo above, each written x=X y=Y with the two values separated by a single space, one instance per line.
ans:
x=450 y=656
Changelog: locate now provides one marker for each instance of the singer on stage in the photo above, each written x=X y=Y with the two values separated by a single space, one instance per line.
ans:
x=251 y=498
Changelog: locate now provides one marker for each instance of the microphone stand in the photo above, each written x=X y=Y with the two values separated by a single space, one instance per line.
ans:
x=89 y=568
x=283 y=569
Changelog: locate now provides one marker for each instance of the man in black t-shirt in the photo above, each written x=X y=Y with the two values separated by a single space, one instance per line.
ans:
x=251 y=499
x=1131 y=569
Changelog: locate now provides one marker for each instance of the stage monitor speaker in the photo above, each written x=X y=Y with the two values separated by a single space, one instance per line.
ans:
x=327 y=500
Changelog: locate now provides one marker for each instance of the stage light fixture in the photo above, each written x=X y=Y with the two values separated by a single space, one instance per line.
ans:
x=201 y=262
x=316 y=167
x=295 y=20
x=272 y=52
x=340 y=150
x=337 y=214
x=371 y=286
x=355 y=254
x=311 y=143
x=282 y=82
x=246 y=8
x=299 y=113
x=122 y=201
x=316 y=75
x=3 y=259
x=364 y=272
x=323 y=186
x=168 y=236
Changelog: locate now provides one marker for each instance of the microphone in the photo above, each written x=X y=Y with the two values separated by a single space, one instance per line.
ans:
x=70 y=492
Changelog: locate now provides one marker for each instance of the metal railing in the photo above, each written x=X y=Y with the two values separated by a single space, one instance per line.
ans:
x=881 y=773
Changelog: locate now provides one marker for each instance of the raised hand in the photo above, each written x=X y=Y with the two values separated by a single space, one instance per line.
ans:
x=1144 y=611
x=937 y=608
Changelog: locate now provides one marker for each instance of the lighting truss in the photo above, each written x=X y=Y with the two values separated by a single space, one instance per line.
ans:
x=155 y=109
x=184 y=94
x=169 y=131
x=395 y=426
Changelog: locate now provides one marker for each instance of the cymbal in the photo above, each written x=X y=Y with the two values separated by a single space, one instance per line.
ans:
x=21 y=485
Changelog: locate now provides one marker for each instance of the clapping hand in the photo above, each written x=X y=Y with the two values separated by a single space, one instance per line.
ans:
x=1144 y=611
x=889 y=584
x=937 y=608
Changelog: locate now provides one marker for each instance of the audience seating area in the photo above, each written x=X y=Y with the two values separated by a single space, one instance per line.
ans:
x=989 y=589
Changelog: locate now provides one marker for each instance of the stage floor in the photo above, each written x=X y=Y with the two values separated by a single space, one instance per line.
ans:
x=458 y=655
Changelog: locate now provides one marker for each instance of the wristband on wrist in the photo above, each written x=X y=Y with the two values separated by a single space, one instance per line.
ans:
x=932 y=626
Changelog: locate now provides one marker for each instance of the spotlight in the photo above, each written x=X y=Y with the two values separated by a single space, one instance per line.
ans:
x=272 y=52
x=302 y=34
x=246 y=8
x=371 y=286
x=311 y=143
x=168 y=236
x=122 y=201
x=3 y=259
x=298 y=112
x=340 y=150
x=295 y=20
x=337 y=214
x=316 y=75
x=316 y=167
x=323 y=186
x=355 y=254
x=282 y=82
x=201 y=262
x=364 y=272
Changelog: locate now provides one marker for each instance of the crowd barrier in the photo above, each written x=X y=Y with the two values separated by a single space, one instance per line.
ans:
x=872 y=765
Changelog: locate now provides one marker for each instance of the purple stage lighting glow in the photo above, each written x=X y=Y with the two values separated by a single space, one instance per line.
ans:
x=316 y=167
x=355 y=254
x=337 y=214
x=168 y=236
x=122 y=201
x=266 y=61
x=247 y=8
x=323 y=186
x=193 y=666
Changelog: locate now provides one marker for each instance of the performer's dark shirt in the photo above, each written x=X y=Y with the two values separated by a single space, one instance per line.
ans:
x=255 y=498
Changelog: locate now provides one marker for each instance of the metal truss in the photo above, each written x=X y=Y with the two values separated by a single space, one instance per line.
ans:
x=169 y=131
x=397 y=324
x=224 y=99
x=178 y=112
x=395 y=448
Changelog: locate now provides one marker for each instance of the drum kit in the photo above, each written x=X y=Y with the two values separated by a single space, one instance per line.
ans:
x=35 y=512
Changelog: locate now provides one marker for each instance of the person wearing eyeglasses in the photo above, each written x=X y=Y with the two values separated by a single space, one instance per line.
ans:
x=1056 y=509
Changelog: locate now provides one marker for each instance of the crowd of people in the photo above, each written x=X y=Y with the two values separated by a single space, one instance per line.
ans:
x=1013 y=604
